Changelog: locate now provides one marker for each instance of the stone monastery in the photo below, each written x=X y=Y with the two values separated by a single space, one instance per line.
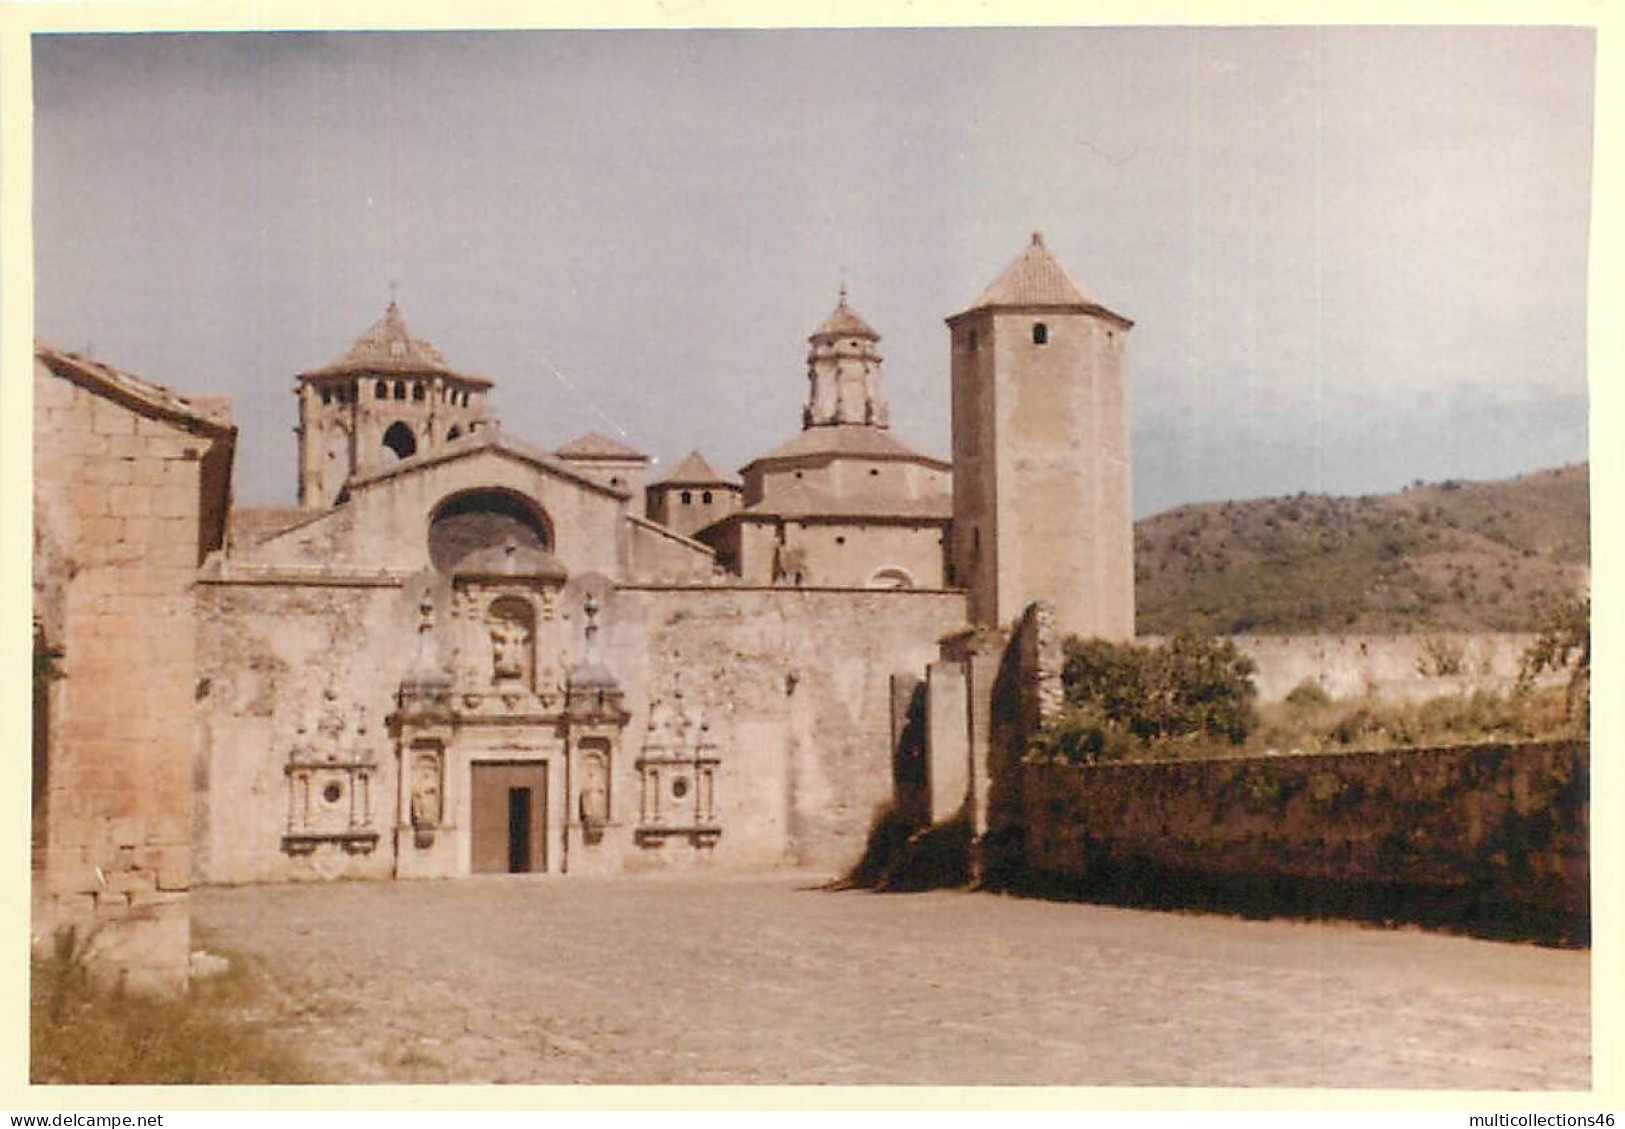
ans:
x=462 y=653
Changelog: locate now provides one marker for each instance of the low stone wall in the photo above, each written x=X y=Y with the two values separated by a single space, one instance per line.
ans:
x=1392 y=667
x=1481 y=831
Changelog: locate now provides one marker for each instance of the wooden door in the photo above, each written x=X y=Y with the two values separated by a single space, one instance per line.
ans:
x=509 y=818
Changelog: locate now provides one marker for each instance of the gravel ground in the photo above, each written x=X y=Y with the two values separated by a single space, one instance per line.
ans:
x=771 y=980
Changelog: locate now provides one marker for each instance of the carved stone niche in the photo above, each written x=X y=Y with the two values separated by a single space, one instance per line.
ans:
x=505 y=609
x=677 y=768
x=329 y=775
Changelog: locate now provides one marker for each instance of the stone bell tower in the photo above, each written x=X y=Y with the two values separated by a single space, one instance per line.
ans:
x=843 y=372
x=390 y=397
x=1042 y=505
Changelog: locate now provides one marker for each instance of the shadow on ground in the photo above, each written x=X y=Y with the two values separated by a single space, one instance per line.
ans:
x=903 y=857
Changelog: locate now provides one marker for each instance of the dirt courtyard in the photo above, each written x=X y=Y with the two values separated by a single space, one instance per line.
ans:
x=770 y=980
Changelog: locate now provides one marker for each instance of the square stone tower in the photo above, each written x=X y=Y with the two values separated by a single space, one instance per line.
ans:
x=1041 y=452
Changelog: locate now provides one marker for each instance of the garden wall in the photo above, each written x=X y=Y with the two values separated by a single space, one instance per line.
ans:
x=1490 y=832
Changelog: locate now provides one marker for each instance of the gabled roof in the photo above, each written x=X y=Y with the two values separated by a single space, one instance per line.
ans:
x=489 y=438
x=852 y=439
x=210 y=415
x=389 y=347
x=845 y=322
x=695 y=470
x=596 y=446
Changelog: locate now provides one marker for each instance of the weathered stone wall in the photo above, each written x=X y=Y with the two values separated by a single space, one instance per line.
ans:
x=1506 y=823
x=793 y=682
x=797 y=684
x=120 y=522
x=851 y=554
x=273 y=649
x=1395 y=667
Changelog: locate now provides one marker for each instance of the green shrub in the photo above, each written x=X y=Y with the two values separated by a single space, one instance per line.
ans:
x=1308 y=693
x=1192 y=685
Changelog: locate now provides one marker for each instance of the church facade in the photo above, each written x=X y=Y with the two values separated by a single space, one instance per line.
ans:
x=462 y=653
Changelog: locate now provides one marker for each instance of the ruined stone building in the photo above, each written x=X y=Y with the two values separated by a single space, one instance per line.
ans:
x=463 y=653
x=131 y=487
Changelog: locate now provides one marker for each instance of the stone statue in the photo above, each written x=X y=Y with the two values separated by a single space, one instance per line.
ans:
x=425 y=790
x=510 y=650
x=594 y=804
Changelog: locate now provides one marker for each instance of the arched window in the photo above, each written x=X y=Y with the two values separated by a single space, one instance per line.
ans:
x=705 y=498
x=399 y=438
x=327 y=395
x=417 y=392
x=970 y=340
x=479 y=519
x=688 y=497
x=400 y=390
x=454 y=433
x=1040 y=333
x=380 y=391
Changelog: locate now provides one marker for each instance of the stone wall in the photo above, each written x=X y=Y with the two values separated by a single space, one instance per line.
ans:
x=1392 y=667
x=130 y=486
x=794 y=684
x=1502 y=827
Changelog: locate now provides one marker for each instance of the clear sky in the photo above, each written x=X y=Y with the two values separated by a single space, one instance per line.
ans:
x=1354 y=257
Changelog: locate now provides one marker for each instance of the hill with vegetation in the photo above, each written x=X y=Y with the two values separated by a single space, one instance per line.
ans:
x=1447 y=556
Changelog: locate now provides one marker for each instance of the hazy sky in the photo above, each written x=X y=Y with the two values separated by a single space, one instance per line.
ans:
x=1354 y=257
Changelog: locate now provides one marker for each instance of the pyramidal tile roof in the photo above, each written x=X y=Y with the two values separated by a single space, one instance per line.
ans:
x=1034 y=279
x=594 y=445
x=845 y=322
x=389 y=347
x=696 y=470
x=389 y=341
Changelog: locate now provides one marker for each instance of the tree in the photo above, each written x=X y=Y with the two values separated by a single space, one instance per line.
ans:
x=1564 y=643
x=1191 y=685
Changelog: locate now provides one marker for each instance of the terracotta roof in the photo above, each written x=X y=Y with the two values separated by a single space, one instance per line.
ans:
x=803 y=501
x=854 y=439
x=595 y=446
x=695 y=470
x=210 y=414
x=845 y=322
x=1035 y=279
x=389 y=347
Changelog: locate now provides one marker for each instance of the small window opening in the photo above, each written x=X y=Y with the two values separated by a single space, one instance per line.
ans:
x=327 y=395
x=688 y=497
x=417 y=393
x=840 y=540
x=970 y=341
x=454 y=433
x=618 y=482
x=705 y=498
x=380 y=391
x=400 y=390
x=874 y=472
x=1040 y=333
